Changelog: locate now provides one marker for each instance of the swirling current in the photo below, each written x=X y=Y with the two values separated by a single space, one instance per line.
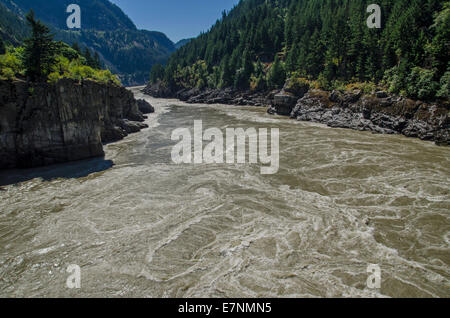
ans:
x=139 y=225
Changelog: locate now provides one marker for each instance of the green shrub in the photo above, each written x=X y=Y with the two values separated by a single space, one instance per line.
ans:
x=7 y=73
x=323 y=83
x=338 y=85
x=12 y=62
x=277 y=74
x=105 y=76
x=66 y=51
x=393 y=80
x=444 y=91
x=54 y=77
x=298 y=85
x=76 y=70
x=420 y=84
x=364 y=87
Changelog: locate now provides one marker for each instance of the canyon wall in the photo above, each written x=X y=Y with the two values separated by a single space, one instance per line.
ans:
x=42 y=124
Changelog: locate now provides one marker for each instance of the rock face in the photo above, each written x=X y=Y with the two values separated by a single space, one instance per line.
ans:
x=144 y=107
x=157 y=90
x=53 y=123
x=284 y=102
x=379 y=113
x=212 y=96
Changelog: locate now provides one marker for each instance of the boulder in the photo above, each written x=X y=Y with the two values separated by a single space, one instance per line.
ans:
x=381 y=94
x=145 y=107
x=283 y=103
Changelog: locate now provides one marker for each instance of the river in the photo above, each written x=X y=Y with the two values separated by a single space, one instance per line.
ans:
x=139 y=225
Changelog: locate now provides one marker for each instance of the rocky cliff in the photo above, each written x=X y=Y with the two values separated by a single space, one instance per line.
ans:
x=43 y=124
x=211 y=95
x=378 y=112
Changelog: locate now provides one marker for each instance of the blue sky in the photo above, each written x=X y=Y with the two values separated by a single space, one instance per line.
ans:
x=178 y=19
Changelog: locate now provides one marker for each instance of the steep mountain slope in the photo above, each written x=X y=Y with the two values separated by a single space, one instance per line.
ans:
x=129 y=53
x=182 y=43
x=12 y=28
x=96 y=14
x=124 y=49
x=327 y=41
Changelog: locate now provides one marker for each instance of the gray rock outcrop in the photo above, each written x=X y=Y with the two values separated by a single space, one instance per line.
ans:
x=284 y=102
x=376 y=113
x=144 y=107
x=42 y=124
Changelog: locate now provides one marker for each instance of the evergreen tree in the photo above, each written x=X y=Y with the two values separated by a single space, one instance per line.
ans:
x=440 y=47
x=325 y=40
x=277 y=75
x=261 y=83
x=226 y=73
x=242 y=80
x=314 y=61
x=97 y=62
x=2 y=47
x=76 y=47
x=89 y=59
x=39 y=50
x=156 y=73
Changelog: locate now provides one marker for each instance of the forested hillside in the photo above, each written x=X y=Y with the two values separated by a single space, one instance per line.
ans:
x=327 y=42
x=12 y=28
x=129 y=53
x=123 y=48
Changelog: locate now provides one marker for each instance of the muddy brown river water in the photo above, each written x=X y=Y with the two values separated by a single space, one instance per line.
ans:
x=140 y=226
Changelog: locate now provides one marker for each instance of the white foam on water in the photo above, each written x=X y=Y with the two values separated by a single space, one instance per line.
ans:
x=342 y=200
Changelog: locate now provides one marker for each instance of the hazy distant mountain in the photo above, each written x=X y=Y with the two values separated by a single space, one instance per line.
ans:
x=106 y=29
x=182 y=43
x=96 y=14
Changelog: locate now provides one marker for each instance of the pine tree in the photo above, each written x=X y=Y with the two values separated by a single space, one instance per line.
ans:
x=277 y=75
x=39 y=50
x=440 y=47
x=242 y=80
x=315 y=58
x=97 y=62
x=260 y=77
x=76 y=47
x=327 y=40
x=89 y=60
x=227 y=73
x=2 y=47
x=156 y=73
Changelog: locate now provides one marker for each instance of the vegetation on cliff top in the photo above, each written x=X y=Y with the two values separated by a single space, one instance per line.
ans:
x=327 y=42
x=42 y=59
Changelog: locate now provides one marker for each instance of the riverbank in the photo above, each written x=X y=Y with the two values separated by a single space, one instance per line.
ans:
x=378 y=112
x=43 y=124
